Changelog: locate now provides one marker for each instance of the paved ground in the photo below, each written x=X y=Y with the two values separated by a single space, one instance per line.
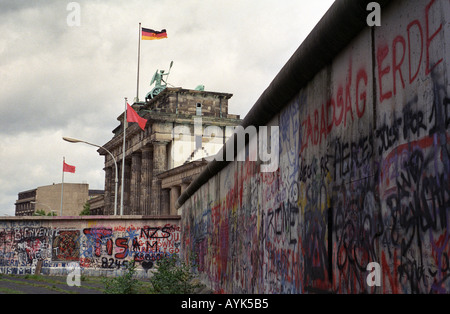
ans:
x=11 y=284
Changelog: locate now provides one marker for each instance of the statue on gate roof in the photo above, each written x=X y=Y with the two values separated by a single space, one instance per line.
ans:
x=160 y=83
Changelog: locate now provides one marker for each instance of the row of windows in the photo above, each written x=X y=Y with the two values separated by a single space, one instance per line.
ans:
x=25 y=209
x=29 y=194
x=24 y=206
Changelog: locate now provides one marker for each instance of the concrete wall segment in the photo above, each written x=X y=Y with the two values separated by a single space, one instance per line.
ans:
x=100 y=245
x=363 y=172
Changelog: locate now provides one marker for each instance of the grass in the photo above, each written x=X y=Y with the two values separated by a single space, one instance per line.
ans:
x=10 y=291
x=52 y=282
x=41 y=278
x=32 y=284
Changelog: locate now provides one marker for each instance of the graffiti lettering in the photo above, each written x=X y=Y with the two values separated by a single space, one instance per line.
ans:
x=318 y=125
x=384 y=69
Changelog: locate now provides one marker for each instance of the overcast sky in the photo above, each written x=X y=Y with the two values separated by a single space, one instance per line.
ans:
x=59 y=79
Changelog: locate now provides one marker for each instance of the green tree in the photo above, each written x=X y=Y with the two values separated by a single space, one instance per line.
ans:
x=124 y=284
x=39 y=212
x=173 y=276
x=86 y=209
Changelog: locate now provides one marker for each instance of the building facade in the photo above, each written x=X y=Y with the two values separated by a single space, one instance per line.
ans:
x=182 y=126
x=48 y=199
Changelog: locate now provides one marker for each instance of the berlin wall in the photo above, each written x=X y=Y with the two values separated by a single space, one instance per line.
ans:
x=363 y=175
x=98 y=245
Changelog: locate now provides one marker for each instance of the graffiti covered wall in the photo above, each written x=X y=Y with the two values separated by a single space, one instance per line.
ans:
x=100 y=245
x=363 y=176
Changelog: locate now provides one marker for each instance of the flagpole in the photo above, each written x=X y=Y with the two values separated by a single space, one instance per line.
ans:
x=123 y=157
x=62 y=187
x=138 y=63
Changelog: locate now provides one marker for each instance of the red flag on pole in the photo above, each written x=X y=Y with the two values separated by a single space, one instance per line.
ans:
x=68 y=168
x=132 y=116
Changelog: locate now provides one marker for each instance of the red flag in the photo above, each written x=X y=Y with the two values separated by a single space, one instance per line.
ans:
x=68 y=168
x=132 y=116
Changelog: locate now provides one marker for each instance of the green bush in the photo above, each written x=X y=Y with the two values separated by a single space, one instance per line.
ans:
x=86 y=209
x=172 y=276
x=124 y=284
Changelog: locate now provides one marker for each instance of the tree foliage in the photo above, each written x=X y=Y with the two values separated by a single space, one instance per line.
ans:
x=86 y=209
x=124 y=284
x=173 y=277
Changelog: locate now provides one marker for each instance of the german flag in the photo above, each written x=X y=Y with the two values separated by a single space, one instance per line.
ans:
x=150 y=34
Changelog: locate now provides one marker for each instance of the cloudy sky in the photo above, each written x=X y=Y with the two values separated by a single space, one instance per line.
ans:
x=63 y=79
